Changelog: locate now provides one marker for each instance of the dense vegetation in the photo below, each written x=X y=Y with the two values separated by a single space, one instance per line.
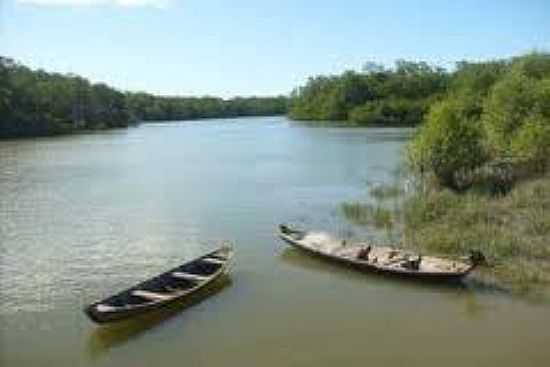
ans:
x=512 y=230
x=481 y=161
x=35 y=102
x=152 y=108
x=41 y=103
x=492 y=127
x=376 y=96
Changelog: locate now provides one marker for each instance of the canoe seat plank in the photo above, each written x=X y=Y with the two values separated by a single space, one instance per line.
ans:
x=213 y=261
x=104 y=308
x=189 y=276
x=151 y=296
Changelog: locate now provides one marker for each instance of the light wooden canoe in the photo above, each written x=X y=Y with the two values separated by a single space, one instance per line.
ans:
x=173 y=285
x=381 y=259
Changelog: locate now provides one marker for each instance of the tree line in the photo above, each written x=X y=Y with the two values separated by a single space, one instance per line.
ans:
x=36 y=102
x=396 y=96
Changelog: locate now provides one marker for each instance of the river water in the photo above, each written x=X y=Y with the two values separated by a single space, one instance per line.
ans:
x=87 y=215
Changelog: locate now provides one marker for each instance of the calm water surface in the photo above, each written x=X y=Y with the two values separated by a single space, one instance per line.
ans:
x=83 y=216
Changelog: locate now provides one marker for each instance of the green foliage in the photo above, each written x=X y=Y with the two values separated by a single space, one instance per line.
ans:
x=511 y=101
x=378 y=96
x=476 y=79
x=532 y=143
x=365 y=214
x=34 y=102
x=329 y=98
x=493 y=112
x=448 y=145
x=511 y=230
x=383 y=192
x=389 y=112
x=152 y=108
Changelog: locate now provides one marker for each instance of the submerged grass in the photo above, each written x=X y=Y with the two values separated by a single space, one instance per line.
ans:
x=383 y=192
x=366 y=214
x=512 y=231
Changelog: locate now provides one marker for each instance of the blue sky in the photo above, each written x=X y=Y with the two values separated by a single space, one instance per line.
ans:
x=245 y=47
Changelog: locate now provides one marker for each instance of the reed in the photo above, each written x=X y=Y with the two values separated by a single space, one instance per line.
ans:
x=511 y=230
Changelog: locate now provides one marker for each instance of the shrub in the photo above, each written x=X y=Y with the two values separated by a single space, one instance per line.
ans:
x=510 y=102
x=493 y=128
x=390 y=112
x=449 y=144
x=532 y=143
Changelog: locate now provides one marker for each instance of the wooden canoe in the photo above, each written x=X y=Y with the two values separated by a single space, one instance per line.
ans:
x=175 y=284
x=381 y=259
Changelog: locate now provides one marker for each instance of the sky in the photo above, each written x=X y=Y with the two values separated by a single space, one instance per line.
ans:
x=245 y=47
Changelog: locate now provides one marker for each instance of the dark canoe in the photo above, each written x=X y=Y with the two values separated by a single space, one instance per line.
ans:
x=381 y=259
x=173 y=285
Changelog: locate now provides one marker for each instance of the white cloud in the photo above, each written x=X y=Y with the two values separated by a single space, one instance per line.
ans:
x=119 y=3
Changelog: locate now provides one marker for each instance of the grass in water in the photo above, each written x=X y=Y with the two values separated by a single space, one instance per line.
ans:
x=366 y=214
x=382 y=192
x=512 y=231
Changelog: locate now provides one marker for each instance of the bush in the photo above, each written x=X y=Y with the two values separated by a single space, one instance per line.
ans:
x=532 y=143
x=510 y=102
x=493 y=128
x=448 y=145
x=390 y=112
x=521 y=97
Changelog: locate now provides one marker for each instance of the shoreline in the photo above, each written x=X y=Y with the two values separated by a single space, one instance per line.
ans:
x=88 y=131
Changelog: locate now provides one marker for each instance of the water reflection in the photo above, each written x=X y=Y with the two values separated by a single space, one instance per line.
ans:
x=105 y=337
x=296 y=257
x=84 y=215
x=464 y=293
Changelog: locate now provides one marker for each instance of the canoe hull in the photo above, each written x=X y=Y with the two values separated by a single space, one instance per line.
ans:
x=436 y=277
x=108 y=316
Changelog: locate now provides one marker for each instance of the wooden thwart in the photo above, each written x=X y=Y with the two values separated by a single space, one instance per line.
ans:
x=189 y=276
x=213 y=261
x=151 y=296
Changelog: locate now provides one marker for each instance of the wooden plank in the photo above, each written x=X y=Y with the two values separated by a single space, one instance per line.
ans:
x=152 y=296
x=213 y=261
x=189 y=276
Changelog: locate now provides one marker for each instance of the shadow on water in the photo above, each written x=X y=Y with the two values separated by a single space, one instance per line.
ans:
x=466 y=289
x=466 y=294
x=107 y=336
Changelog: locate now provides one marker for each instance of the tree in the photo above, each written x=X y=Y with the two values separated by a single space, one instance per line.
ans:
x=448 y=144
x=397 y=96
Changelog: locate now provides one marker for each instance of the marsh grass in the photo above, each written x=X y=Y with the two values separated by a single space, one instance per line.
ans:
x=513 y=231
x=383 y=192
x=367 y=214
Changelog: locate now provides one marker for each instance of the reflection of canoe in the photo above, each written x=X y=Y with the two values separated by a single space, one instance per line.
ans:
x=380 y=259
x=176 y=284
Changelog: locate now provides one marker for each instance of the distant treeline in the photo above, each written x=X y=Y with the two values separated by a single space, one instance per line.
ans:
x=376 y=96
x=35 y=102
x=153 y=108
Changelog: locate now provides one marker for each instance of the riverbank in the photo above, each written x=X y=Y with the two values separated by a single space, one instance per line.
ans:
x=482 y=161
x=84 y=131
x=512 y=230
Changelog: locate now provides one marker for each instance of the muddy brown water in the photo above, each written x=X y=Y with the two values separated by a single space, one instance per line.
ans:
x=86 y=215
